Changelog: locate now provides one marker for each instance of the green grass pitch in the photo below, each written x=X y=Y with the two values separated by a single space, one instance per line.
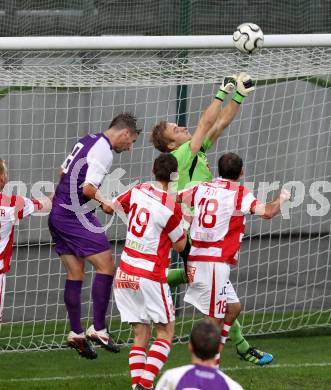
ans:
x=300 y=362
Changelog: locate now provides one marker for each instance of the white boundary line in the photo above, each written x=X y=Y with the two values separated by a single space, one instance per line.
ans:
x=300 y=365
x=64 y=378
x=109 y=376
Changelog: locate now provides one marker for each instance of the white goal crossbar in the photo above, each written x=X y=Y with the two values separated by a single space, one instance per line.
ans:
x=155 y=42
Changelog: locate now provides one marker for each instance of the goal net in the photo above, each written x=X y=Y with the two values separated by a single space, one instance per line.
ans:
x=158 y=17
x=49 y=99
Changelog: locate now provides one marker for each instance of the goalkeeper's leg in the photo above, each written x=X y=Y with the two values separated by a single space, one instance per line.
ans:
x=178 y=276
x=244 y=350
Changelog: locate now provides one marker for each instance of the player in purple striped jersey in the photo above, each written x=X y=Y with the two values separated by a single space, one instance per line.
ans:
x=201 y=374
x=79 y=236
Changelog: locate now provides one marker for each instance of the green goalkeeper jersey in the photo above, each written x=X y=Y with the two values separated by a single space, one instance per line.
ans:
x=192 y=169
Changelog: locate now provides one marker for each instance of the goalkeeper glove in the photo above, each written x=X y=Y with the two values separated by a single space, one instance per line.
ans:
x=228 y=83
x=244 y=87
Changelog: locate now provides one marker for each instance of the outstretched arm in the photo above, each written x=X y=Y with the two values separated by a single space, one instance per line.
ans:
x=269 y=210
x=44 y=205
x=225 y=117
x=244 y=86
x=94 y=193
x=209 y=116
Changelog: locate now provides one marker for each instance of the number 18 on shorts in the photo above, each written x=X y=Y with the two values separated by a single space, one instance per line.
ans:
x=207 y=291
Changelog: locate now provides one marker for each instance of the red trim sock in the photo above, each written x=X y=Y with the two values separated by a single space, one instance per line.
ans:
x=156 y=358
x=137 y=360
x=225 y=332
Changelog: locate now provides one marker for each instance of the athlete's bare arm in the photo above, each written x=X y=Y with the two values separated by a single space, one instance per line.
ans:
x=209 y=116
x=269 y=210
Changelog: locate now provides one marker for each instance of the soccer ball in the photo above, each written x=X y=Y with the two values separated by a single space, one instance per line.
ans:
x=248 y=38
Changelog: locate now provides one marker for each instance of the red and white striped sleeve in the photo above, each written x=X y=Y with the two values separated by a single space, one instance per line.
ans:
x=187 y=196
x=248 y=201
x=174 y=226
x=25 y=206
x=122 y=201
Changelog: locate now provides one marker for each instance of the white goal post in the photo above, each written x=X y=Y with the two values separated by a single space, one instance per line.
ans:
x=54 y=90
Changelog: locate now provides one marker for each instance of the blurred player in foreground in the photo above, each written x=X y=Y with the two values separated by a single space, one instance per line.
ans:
x=12 y=208
x=218 y=226
x=201 y=374
x=78 y=234
x=141 y=291
x=190 y=152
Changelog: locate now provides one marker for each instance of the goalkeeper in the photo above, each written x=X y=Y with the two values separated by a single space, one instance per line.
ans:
x=190 y=151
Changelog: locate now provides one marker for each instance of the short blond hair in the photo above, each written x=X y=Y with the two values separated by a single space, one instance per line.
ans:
x=2 y=166
x=159 y=139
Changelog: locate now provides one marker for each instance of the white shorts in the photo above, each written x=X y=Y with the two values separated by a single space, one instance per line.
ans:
x=206 y=290
x=231 y=295
x=142 y=300
x=2 y=293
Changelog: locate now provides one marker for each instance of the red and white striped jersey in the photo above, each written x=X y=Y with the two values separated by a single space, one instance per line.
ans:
x=218 y=223
x=12 y=208
x=154 y=222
